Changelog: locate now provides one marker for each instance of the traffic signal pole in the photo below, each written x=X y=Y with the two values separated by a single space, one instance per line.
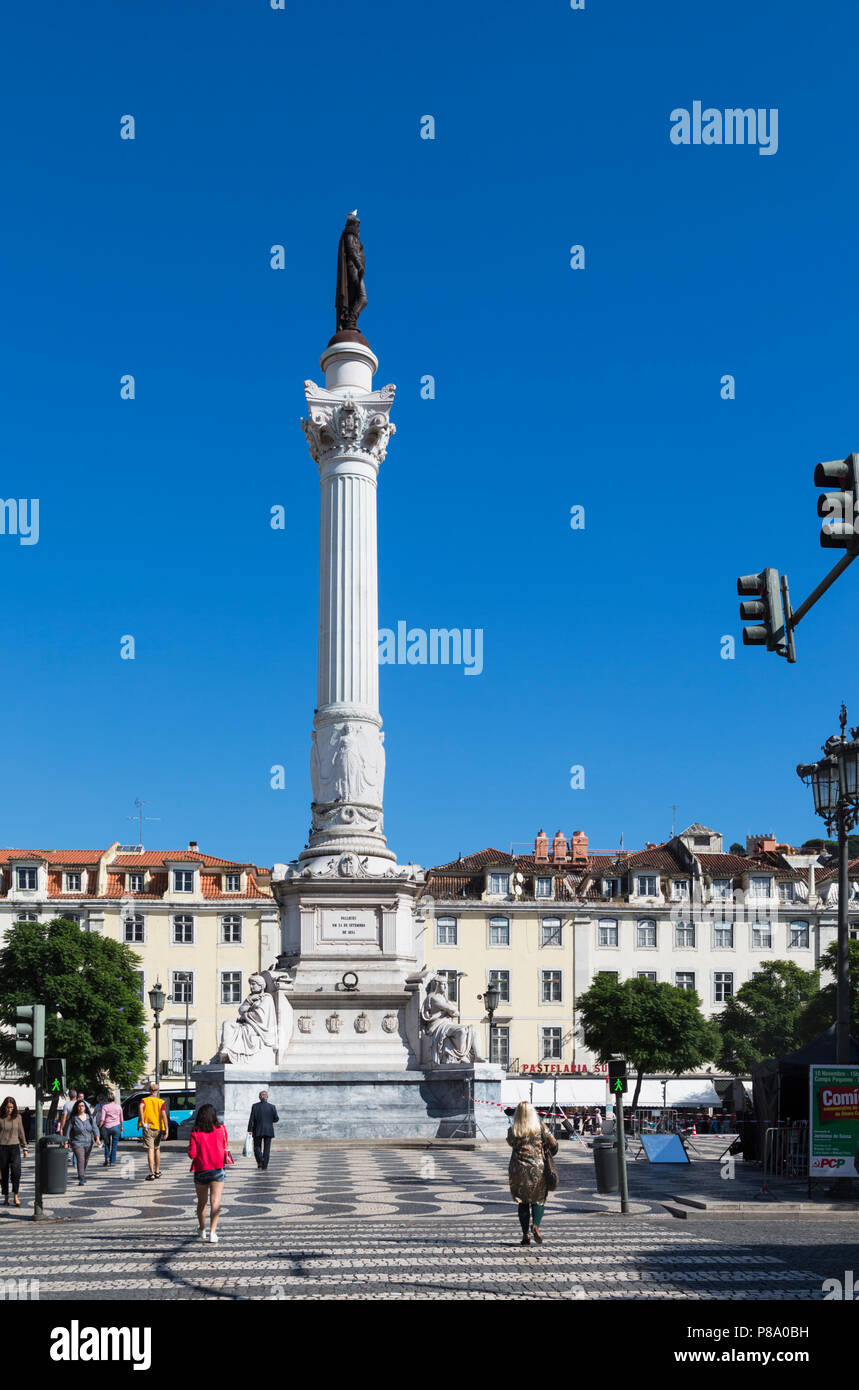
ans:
x=38 y=1213
x=621 y=1150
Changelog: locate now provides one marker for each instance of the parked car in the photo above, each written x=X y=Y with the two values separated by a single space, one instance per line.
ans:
x=181 y=1105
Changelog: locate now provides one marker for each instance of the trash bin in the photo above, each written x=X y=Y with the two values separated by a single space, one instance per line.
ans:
x=605 y=1163
x=53 y=1170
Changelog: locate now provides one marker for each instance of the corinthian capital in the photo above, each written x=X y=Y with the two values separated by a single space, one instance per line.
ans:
x=348 y=426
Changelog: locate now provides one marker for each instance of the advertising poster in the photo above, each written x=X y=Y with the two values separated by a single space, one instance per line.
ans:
x=834 y=1122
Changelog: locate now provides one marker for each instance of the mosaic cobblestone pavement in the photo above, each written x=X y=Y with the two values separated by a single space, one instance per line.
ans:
x=387 y=1224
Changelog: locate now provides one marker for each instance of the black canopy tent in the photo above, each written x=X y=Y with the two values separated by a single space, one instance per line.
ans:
x=780 y=1085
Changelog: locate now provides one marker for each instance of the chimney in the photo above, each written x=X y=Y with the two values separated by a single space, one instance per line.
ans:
x=541 y=847
x=192 y=844
x=559 y=847
x=579 y=847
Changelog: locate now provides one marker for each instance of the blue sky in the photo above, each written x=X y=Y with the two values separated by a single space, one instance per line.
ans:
x=554 y=388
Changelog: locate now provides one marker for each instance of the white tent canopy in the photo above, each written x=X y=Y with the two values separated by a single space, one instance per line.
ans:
x=566 y=1091
x=698 y=1093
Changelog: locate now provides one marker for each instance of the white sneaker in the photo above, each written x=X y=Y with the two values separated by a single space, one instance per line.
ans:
x=204 y=1234
x=213 y=1238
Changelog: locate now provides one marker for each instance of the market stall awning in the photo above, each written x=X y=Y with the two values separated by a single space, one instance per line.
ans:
x=698 y=1093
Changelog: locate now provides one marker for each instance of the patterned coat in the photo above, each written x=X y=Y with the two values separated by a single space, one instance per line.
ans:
x=527 y=1166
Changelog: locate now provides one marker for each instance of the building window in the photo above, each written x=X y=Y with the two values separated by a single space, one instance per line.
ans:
x=445 y=931
x=684 y=934
x=28 y=916
x=183 y=931
x=136 y=882
x=73 y=883
x=543 y=886
x=233 y=883
x=721 y=888
x=645 y=975
x=762 y=936
x=25 y=878
x=76 y=917
x=499 y=884
x=611 y=887
x=680 y=890
x=647 y=886
x=798 y=936
x=451 y=984
x=685 y=980
x=141 y=982
x=133 y=928
x=550 y=932
x=499 y=931
x=183 y=880
x=231 y=986
x=607 y=933
x=551 y=1044
x=501 y=980
x=183 y=987
x=231 y=929
x=499 y=1053
x=645 y=935
x=787 y=892
x=760 y=887
x=723 y=986
x=723 y=938
x=551 y=986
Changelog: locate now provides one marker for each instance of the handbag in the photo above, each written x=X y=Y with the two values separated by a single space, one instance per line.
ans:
x=550 y=1170
x=248 y=1146
x=229 y=1161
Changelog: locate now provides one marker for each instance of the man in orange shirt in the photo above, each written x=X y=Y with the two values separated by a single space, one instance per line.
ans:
x=152 y=1120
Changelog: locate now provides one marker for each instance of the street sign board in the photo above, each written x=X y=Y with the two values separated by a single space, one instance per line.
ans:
x=833 y=1114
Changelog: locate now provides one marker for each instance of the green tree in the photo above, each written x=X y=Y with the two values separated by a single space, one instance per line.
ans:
x=820 y=1013
x=765 y=1016
x=657 y=1027
x=88 y=980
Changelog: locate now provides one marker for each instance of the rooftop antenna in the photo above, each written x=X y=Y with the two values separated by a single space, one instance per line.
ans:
x=140 y=818
x=673 y=821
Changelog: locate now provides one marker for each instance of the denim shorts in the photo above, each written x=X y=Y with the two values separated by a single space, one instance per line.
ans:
x=207 y=1175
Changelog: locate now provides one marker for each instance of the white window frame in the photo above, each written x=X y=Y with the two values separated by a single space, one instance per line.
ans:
x=755 y=882
x=495 y=922
x=791 y=928
x=489 y=980
x=647 y=878
x=721 y=889
x=540 y=882
x=690 y=989
x=231 y=917
x=184 y=917
x=446 y=922
x=555 y=923
x=238 y=887
x=495 y=876
x=180 y=1003
x=185 y=873
x=647 y=975
x=720 y=928
x=222 y=979
x=757 y=927
x=646 y=922
x=27 y=917
x=611 y=888
x=73 y=887
x=680 y=890
x=134 y=879
x=500 y=1033
x=545 y=1031
x=138 y=918
x=685 y=927
x=604 y=923
x=556 y=976
x=26 y=869
x=719 y=977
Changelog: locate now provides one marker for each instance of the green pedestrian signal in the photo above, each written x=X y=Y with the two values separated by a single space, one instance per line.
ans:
x=54 y=1075
x=617 y=1076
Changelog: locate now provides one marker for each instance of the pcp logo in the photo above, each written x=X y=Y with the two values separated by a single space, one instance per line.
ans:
x=827 y=1164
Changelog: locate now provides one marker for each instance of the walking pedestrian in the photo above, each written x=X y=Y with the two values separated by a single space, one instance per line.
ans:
x=13 y=1141
x=261 y=1125
x=80 y=1135
x=152 y=1120
x=111 y=1128
x=74 y=1097
x=209 y=1151
x=530 y=1168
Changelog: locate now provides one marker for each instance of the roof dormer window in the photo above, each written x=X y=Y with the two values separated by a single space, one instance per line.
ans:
x=499 y=884
x=183 y=880
x=25 y=879
x=136 y=883
x=232 y=883
x=74 y=881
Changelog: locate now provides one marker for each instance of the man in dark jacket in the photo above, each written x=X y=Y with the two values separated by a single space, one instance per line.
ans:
x=261 y=1125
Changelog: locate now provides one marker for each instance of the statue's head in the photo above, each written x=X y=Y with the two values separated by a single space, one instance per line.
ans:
x=436 y=985
x=256 y=984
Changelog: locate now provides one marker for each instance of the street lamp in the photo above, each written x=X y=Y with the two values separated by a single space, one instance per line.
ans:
x=491 y=1000
x=834 y=780
x=157 y=1000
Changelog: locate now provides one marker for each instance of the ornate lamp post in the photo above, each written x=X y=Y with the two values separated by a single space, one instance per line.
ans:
x=834 y=780
x=491 y=1000
x=157 y=1000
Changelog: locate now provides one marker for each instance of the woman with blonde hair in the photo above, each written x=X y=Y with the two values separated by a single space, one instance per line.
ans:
x=532 y=1172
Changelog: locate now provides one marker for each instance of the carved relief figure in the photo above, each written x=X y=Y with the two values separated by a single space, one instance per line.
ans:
x=255 y=1031
x=451 y=1042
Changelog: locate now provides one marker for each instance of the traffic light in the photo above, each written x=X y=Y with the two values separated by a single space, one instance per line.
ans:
x=766 y=610
x=617 y=1076
x=839 y=504
x=30 y=1032
x=54 y=1076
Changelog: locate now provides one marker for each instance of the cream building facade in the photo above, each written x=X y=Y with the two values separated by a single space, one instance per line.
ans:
x=199 y=924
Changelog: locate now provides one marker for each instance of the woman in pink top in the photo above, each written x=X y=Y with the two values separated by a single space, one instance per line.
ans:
x=110 y=1121
x=207 y=1149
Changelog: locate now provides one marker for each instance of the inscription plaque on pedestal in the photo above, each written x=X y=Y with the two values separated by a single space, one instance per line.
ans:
x=347 y=925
